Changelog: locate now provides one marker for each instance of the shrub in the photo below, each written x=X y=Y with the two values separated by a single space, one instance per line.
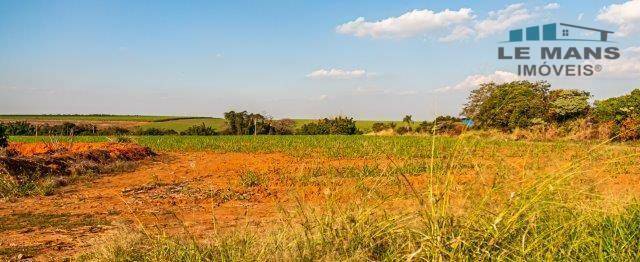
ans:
x=335 y=126
x=20 y=128
x=425 y=127
x=443 y=125
x=282 y=127
x=251 y=179
x=618 y=108
x=378 y=126
x=629 y=129
x=3 y=137
x=199 y=130
x=67 y=129
x=401 y=130
x=314 y=129
x=113 y=131
x=156 y=132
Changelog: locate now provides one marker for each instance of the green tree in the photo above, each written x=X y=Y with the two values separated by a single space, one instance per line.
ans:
x=282 y=126
x=407 y=119
x=335 y=126
x=199 y=130
x=567 y=104
x=618 y=108
x=511 y=105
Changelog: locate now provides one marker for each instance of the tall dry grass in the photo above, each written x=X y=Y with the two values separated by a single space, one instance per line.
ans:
x=548 y=216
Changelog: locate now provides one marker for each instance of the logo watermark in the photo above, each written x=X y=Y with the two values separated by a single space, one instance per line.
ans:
x=559 y=61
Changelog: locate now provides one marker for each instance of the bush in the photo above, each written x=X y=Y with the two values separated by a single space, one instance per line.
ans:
x=378 y=126
x=335 y=126
x=282 y=127
x=629 y=129
x=443 y=125
x=21 y=128
x=67 y=129
x=199 y=130
x=401 y=130
x=156 y=132
x=3 y=137
x=314 y=129
x=618 y=108
x=113 y=131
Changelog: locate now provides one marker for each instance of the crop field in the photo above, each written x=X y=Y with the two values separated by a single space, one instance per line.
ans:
x=332 y=198
x=162 y=122
x=85 y=118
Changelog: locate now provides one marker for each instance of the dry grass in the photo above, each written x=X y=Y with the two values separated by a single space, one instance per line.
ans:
x=444 y=199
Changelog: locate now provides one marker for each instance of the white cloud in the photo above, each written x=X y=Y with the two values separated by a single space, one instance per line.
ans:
x=627 y=66
x=464 y=23
x=580 y=16
x=323 y=97
x=409 y=24
x=473 y=81
x=551 y=6
x=501 y=20
x=380 y=91
x=28 y=90
x=626 y=16
x=337 y=74
x=458 y=33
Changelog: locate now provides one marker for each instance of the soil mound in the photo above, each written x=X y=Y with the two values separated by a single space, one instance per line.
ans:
x=30 y=161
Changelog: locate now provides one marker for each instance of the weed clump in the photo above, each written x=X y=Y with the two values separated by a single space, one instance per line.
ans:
x=251 y=179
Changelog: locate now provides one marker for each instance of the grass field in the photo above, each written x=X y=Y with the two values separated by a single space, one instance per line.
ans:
x=362 y=198
x=182 y=124
x=163 y=122
x=219 y=124
x=85 y=118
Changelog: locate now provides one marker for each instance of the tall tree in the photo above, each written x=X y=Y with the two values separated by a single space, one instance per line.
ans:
x=507 y=106
x=407 y=119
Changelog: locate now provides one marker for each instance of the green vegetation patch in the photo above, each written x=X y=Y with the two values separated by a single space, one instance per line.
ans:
x=180 y=125
x=56 y=221
x=135 y=118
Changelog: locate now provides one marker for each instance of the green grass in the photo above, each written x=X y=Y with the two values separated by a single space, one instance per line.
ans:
x=363 y=125
x=337 y=146
x=135 y=118
x=19 y=221
x=165 y=122
x=182 y=124
x=219 y=123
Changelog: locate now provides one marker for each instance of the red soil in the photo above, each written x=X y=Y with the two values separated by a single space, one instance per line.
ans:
x=126 y=151
x=198 y=192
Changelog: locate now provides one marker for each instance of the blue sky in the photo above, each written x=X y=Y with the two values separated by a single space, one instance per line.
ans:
x=299 y=59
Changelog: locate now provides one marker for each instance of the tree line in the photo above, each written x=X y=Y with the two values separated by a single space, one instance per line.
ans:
x=518 y=105
x=529 y=105
x=236 y=123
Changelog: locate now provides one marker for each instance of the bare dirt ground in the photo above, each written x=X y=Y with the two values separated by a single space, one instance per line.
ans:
x=193 y=193
x=171 y=192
